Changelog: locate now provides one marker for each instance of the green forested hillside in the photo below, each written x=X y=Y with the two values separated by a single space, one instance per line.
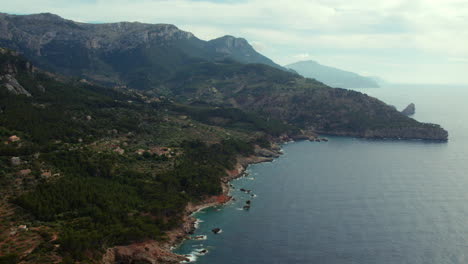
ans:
x=100 y=167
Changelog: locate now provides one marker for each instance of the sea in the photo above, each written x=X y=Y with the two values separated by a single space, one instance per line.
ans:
x=351 y=200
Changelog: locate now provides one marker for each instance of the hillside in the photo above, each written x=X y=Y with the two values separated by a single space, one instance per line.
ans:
x=332 y=76
x=303 y=102
x=85 y=167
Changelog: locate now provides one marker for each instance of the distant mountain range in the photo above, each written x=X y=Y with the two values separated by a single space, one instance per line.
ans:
x=134 y=54
x=332 y=76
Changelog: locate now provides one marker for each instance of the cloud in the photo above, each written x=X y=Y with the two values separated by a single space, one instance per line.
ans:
x=302 y=56
x=402 y=32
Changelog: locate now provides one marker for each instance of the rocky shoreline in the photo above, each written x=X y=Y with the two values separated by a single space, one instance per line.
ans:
x=430 y=133
x=157 y=252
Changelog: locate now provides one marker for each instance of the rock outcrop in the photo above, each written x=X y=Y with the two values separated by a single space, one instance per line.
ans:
x=146 y=252
x=409 y=110
x=216 y=230
x=11 y=64
x=12 y=85
x=266 y=153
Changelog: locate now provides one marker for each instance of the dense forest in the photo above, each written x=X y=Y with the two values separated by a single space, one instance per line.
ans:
x=100 y=167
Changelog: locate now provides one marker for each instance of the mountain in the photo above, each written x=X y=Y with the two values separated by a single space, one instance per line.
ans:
x=137 y=55
x=332 y=76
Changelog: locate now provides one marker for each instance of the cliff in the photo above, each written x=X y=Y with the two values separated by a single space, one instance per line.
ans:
x=10 y=66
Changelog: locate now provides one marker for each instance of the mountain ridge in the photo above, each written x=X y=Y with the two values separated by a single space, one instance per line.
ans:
x=135 y=54
x=332 y=76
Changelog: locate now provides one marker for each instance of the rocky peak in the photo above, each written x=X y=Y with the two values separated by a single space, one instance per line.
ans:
x=233 y=42
x=228 y=44
x=409 y=110
x=45 y=17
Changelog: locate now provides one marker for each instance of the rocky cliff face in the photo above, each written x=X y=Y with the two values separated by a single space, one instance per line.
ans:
x=10 y=66
x=238 y=49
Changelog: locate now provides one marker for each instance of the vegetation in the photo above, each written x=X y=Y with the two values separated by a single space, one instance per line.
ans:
x=102 y=201
x=91 y=195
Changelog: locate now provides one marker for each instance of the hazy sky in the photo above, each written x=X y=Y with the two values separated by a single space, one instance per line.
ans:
x=424 y=41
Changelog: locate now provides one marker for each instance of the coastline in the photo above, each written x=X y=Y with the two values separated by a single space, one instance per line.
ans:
x=156 y=252
x=242 y=163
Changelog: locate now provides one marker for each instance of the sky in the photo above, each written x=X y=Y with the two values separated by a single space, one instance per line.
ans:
x=404 y=41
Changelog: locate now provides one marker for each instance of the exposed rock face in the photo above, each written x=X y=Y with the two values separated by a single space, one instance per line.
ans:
x=9 y=82
x=409 y=110
x=10 y=65
x=261 y=152
x=238 y=49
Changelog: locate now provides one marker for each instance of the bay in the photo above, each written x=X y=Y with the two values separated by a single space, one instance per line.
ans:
x=354 y=200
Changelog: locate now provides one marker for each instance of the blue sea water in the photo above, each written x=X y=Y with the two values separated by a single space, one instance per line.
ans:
x=354 y=201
